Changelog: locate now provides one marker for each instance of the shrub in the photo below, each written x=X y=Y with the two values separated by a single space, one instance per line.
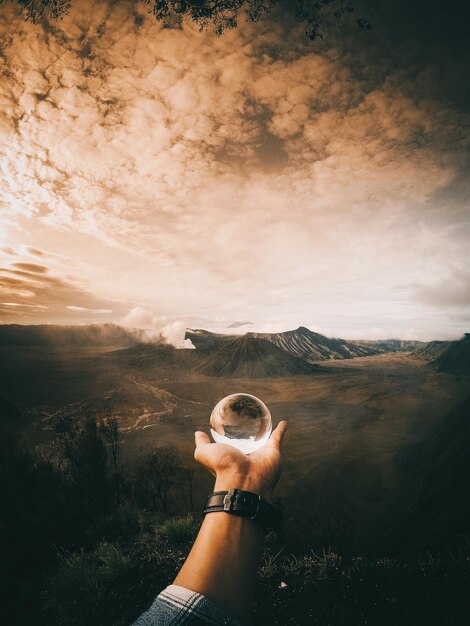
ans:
x=110 y=585
x=178 y=531
x=86 y=587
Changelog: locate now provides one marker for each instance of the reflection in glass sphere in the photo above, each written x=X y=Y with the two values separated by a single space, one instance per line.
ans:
x=242 y=421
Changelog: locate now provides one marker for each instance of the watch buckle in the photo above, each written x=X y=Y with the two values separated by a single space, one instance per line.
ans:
x=229 y=500
x=234 y=496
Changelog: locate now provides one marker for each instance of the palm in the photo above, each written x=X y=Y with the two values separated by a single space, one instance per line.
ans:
x=262 y=467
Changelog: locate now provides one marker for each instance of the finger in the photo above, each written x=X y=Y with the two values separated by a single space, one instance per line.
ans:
x=278 y=434
x=201 y=438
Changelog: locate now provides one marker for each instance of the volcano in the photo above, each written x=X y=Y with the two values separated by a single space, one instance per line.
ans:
x=250 y=357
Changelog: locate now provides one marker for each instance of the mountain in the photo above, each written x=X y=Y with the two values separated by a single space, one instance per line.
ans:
x=391 y=345
x=67 y=336
x=310 y=346
x=155 y=354
x=252 y=357
x=448 y=356
x=432 y=350
x=207 y=342
x=304 y=344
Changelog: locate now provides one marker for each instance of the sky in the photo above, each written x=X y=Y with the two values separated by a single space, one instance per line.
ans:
x=152 y=176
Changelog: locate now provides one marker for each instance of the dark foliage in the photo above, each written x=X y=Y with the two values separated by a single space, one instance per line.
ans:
x=82 y=542
x=222 y=15
x=36 y=10
x=158 y=476
x=66 y=505
x=325 y=590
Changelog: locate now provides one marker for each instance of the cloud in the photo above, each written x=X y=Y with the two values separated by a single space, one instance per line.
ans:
x=9 y=251
x=249 y=175
x=36 y=252
x=31 y=267
x=142 y=318
x=139 y=317
x=175 y=333
x=449 y=291
x=239 y=324
x=81 y=309
x=28 y=292
x=189 y=109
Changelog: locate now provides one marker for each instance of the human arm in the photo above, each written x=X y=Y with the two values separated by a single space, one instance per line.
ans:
x=224 y=559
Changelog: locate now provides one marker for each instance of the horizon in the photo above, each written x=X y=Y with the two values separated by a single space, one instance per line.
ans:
x=179 y=338
x=157 y=176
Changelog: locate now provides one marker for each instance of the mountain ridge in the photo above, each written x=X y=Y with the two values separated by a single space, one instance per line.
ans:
x=311 y=346
x=452 y=357
x=68 y=335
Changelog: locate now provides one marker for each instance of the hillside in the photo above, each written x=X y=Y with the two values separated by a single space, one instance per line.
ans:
x=391 y=345
x=448 y=356
x=250 y=357
x=67 y=336
x=440 y=465
x=310 y=346
x=455 y=359
x=156 y=354
x=432 y=350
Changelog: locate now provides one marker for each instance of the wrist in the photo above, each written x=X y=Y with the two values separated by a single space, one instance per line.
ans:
x=233 y=480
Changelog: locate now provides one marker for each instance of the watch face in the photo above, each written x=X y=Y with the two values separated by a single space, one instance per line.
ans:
x=242 y=421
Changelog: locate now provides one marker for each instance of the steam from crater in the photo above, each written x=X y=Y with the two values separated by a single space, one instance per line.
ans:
x=144 y=319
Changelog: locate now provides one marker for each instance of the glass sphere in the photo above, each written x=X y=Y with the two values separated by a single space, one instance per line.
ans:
x=242 y=421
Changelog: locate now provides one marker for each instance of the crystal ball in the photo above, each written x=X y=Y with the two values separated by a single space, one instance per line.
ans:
x=242 y=421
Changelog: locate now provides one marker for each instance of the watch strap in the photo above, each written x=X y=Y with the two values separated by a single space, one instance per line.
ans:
x=244 y=504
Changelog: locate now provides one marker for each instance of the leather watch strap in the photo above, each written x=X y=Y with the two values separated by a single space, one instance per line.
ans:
x=244 y=504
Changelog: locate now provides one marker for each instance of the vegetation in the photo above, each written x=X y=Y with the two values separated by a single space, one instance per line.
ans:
x=221 y=15
x=327 y=590
x=83 y=542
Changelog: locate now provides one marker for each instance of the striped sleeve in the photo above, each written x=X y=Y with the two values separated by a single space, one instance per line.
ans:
x=178 y=606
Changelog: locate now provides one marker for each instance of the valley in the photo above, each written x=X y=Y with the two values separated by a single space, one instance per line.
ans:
x=348 y=419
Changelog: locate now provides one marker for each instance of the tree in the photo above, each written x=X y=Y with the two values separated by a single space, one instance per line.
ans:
x=222 y=15
x=85 y=458
x=109 y=429
x=158 y=476
x=186 y=486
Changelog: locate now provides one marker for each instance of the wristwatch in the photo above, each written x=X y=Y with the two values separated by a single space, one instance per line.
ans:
x=245 y=504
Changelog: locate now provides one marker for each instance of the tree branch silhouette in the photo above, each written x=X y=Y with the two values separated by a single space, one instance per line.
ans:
x=222 y=15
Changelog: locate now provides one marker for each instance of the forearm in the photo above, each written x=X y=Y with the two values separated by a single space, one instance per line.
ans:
x=223 y=562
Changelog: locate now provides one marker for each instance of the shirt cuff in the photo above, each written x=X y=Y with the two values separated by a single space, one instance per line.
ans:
x=176 y=606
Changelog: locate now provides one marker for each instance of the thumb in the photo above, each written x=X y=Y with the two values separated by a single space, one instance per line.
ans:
x=201 y=438
x=278 y=434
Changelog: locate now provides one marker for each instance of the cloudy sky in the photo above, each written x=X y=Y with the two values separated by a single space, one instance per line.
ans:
x=151 y=175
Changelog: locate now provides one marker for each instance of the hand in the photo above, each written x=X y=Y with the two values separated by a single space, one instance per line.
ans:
x=257 y=472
